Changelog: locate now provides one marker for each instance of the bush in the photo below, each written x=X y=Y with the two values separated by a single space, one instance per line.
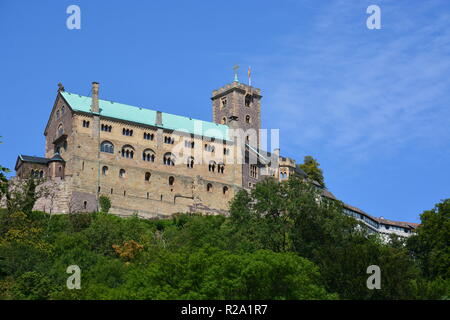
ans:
x=105 y=204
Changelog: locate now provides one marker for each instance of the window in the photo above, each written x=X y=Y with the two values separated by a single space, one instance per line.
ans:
x=57 y=115
x=105 y=127
x=226 y=151
x=148 y=155
x=253 y=171
x=248 y=100
x=85 y=124
x=127 y=132
x=148 y=136
x=62 y=110
x=147 y=176
x=85 y=205
x=209 y=148
x=107 y=147
x=247 y=119
x=171 y=181
x=127 y=152
x=225 y=190
x=220 y=168
x=212 y=166
x=190 y=162
x=169 y=140
x=105 y=170
x=209 y=187
x=189 y=144
x=60 y=129
x=112 y=190
x=122 y=173
x=169 y=159
x=224 y=120
x=223 y=102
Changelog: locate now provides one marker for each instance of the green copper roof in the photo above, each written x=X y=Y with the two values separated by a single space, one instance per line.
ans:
x=148 y=117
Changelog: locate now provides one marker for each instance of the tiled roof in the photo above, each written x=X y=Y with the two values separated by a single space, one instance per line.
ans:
x=398 y=223
x=148 y=117
x=33 y=159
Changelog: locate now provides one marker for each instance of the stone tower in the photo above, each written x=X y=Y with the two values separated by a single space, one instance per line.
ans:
x=238 y=106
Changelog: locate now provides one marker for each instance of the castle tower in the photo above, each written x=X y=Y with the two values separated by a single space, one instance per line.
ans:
x=238 y=106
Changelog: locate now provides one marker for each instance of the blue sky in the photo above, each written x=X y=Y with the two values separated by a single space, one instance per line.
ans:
x=371 y=105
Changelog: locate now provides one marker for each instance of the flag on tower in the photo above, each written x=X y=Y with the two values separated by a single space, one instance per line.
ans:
x=249 y=73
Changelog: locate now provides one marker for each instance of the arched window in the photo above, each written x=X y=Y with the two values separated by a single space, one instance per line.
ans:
x=190 y=162
x=41 y=174
x=247 y=119
x=148 y=155
x=107 y=147
x=212 y=166
x=85 y=205
x=127 y=151
x=63 y=109
x=122 y=173
x=169 y=159
x=171 y=181
x=209 y=187
x=224 y=120
x=225 y=190
x=105 y=170
x=220 y=168
x=57 y=115
x=147 y=176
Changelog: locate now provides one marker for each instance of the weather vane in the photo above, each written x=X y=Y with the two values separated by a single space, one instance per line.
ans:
x=236 y=68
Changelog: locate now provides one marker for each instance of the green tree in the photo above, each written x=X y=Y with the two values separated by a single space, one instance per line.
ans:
x=431 y=243
x=105 y=203
x=311 y=167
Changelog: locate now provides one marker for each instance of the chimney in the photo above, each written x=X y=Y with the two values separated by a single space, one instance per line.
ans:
x=94 y=107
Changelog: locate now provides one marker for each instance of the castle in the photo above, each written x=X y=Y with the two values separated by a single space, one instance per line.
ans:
x=155 y=164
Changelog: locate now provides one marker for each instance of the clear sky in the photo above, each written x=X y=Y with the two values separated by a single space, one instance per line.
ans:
x=373 y=106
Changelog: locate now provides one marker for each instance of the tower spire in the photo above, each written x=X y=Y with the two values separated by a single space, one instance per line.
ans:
x=236 y=68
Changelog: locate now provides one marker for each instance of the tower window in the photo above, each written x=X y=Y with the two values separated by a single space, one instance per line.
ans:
x=223 y=102
x=60 y=129
x=253 y=171
x=85 y=124
x=247 y=119
x=248 y=100
x=224 y=120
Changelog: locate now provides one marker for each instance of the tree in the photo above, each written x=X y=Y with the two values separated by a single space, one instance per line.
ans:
x=431 y=243
x=311 y=167
x=105 y=203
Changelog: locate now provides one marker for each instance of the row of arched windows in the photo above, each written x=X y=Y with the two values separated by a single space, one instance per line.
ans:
x=149 y=155
x=105 y=127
